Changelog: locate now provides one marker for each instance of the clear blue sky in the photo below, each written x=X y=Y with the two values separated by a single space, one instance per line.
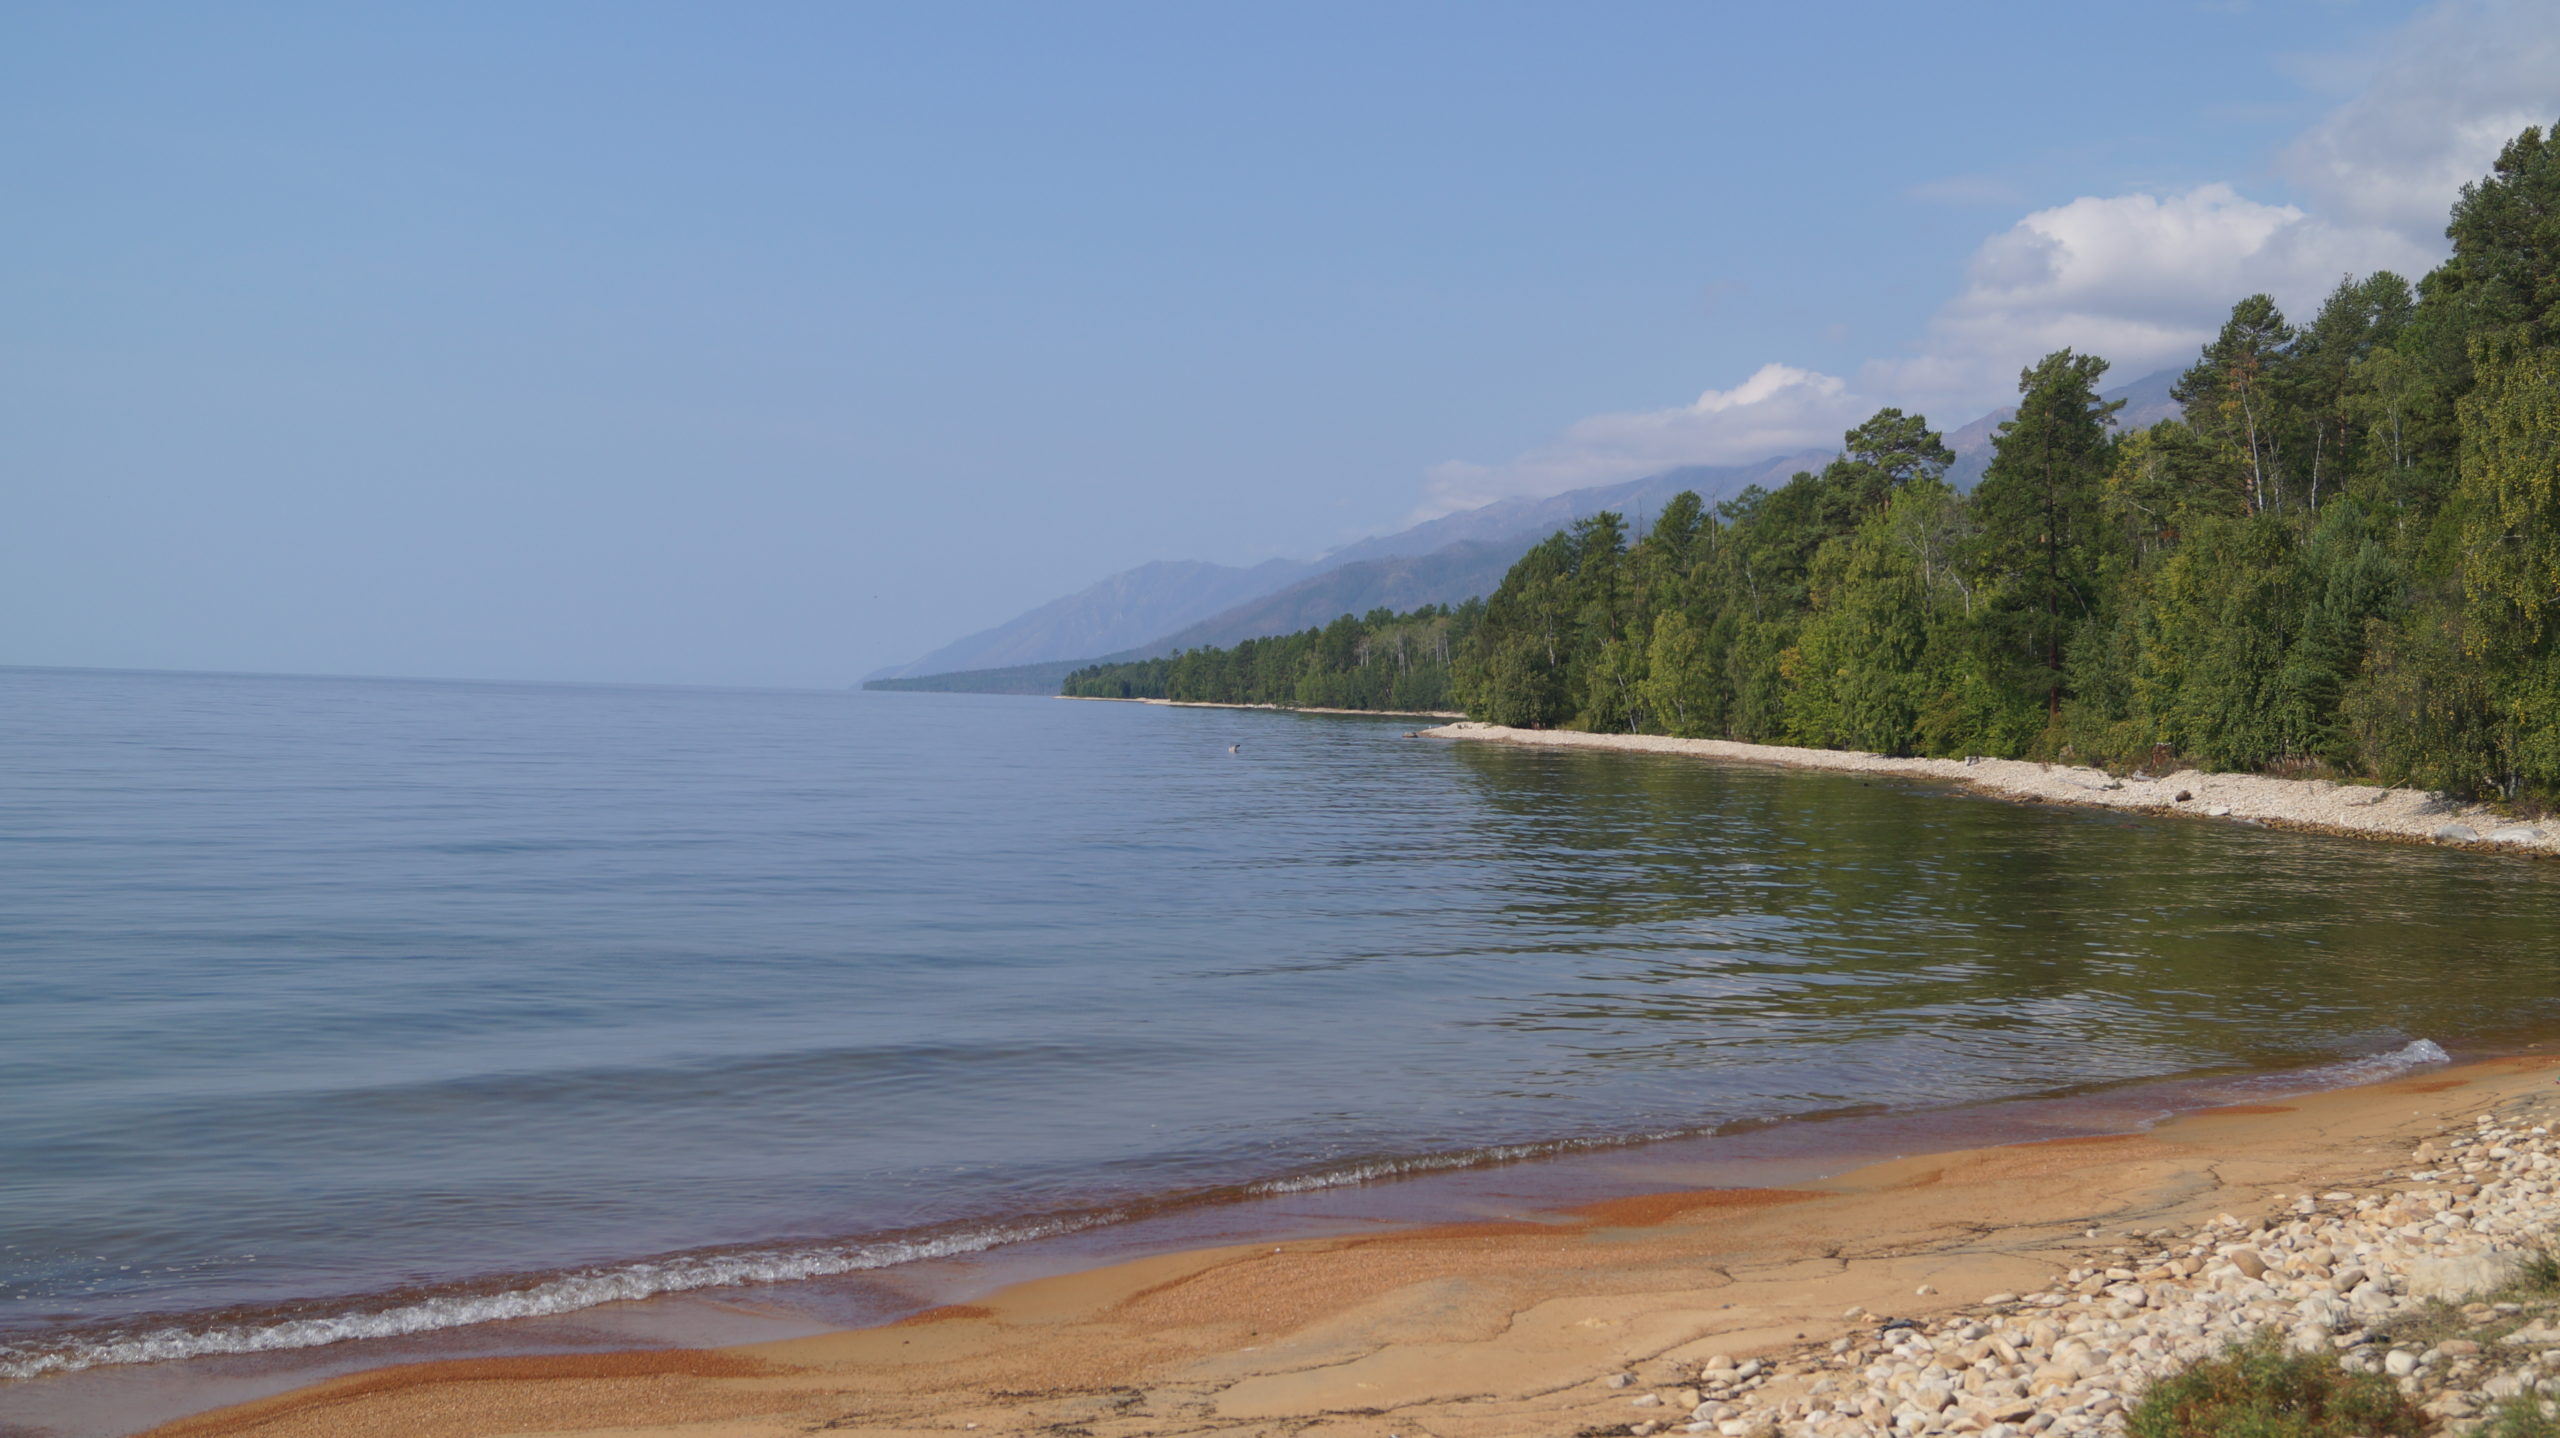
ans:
x=773 y=343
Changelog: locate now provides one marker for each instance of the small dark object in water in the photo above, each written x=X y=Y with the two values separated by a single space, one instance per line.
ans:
x=1234 y=748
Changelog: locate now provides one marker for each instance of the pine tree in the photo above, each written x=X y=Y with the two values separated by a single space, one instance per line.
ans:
x=2041 y=514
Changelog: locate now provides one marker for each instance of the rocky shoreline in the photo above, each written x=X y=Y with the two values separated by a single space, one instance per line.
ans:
x=2436 y=1276
x=2316 y=805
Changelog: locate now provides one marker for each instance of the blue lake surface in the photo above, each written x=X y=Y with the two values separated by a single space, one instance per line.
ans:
x=337 y=1008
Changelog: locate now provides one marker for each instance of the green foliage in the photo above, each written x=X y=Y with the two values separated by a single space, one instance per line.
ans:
x=2509 y=502
x=2258 y=1390
x=1679 y=686
x=2521 y=1417
x=2345 y=556
x=2042 y=519
x=2537 y=1274
x=1382 y=661
x=2505 y=270
x=1861 y=661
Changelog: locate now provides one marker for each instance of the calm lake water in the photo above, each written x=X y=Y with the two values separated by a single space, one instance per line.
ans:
x=348 y=1008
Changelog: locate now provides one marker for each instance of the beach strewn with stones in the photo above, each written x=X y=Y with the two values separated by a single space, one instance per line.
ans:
x=2361 y=810
x=2435 y=1276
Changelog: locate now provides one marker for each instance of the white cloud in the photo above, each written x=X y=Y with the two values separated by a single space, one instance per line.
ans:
x=2435 y=105
x=1778 y=409
x=2140 y=279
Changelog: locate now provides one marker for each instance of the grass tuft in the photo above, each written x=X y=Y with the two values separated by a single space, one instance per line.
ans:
x=2524 y=1417
x=2257 y=1389
x=2538 y=1276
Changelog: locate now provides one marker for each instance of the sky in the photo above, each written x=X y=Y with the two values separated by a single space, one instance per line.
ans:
x=773 y=344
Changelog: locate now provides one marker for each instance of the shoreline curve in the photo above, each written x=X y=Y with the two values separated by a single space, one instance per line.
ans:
x=1467 y=1329
x=2319 y=806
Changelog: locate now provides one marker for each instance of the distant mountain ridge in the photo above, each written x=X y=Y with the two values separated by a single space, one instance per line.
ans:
x=1172 y=605
x=1120 y=612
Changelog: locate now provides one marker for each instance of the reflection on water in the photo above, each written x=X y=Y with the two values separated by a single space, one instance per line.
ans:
x=343 y=1004
x=1878 y=938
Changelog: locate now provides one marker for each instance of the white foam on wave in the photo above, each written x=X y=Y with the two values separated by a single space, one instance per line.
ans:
x=2372 y=1068
x=1354 y=1174
x=2417 y=1054
x=592 y=1288
x=566 y=1294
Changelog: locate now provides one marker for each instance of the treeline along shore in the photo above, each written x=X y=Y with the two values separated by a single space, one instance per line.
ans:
x=2342 y=561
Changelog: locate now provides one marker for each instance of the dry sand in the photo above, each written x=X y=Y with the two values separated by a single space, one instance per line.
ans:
x=2364 y=811
x=1456 y=1331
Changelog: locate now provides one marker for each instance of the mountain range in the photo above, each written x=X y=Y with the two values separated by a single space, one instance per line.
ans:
x=1172 y=605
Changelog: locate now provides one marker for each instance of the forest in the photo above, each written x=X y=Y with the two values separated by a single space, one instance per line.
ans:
x=2344 y=559
x=1384 y=661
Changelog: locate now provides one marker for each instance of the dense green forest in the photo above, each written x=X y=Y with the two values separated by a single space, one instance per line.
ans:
x=2344 y=558
x=1383 y=661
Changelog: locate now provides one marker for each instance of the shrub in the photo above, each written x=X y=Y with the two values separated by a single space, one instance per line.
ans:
x=2520 y=1418
x=2537 y=1276
x=2259 y=1390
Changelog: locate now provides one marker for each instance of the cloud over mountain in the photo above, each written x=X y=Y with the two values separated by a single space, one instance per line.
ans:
x=2142 y=278
x=1779 y=408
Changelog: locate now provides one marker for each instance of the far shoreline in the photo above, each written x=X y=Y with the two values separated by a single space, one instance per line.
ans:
x=2317 y=806
x=1267 y=708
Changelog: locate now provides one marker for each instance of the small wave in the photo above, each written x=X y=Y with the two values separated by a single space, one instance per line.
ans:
x=565 y=1294
x=1370 y=1170
x=2346 y=1073
x=2417 y=1054
x=591 y=1288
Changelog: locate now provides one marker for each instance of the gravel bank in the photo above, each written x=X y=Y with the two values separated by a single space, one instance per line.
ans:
x=2417 y=1277
x=2365 y=811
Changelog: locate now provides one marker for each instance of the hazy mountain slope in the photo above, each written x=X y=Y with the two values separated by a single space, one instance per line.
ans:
x=1167 y=606
x=1487 y=542
x=1129 y=608
x=1534 y=519
x=1139 y=610
x=1449 y=576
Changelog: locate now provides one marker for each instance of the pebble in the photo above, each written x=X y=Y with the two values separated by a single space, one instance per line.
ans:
x=2328 y=1273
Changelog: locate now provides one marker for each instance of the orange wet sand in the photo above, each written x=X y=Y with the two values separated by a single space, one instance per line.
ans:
x=1457 y=1331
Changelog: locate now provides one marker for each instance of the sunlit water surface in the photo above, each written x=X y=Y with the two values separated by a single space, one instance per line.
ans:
x=349 y=1008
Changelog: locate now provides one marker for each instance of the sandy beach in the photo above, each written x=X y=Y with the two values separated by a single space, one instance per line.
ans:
x=1548 y=1323
x=2318 y=805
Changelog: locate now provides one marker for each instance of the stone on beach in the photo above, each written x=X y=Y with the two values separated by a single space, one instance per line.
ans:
x=2331 y=1274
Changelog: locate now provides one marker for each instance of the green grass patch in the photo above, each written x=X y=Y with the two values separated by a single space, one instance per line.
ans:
x=2520 y=1418
x=2538 y=1276
x=2259 y=1390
